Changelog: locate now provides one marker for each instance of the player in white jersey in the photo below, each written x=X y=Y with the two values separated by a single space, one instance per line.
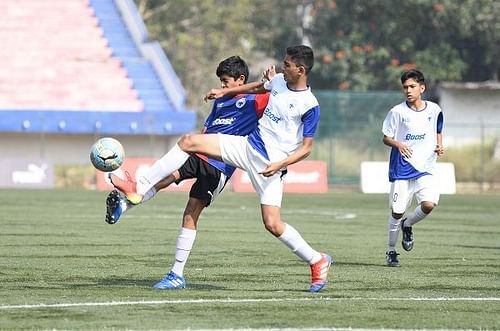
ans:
x=413 y=129
x=283 y=137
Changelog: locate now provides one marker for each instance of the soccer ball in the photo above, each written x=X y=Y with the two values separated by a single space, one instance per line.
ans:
x=107 y=154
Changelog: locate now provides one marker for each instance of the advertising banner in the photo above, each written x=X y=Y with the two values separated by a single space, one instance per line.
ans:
x=136 y=166
x=302 y=177
x=375 y=178
x=19 y=173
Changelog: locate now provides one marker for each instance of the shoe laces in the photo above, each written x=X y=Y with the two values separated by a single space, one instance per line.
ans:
x=393 y=254
x=171 y=276
x=408 y=232
x=128 y=176
x=317 y=273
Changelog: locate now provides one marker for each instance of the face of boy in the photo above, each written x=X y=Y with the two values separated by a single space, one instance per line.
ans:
x=291 y=70
x=228 y=81
x=412 y=90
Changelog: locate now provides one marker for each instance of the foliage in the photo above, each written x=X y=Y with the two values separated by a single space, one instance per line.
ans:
x=359 y=45
x=197 y=35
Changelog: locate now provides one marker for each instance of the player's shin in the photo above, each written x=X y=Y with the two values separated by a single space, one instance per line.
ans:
x=170 y=162
x=185 y=242
x=416 y=217
x=393 y=232
x=293 y=240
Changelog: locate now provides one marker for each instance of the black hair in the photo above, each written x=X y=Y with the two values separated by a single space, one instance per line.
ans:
x=302 y=55
x=413 y=74
x=233 y=66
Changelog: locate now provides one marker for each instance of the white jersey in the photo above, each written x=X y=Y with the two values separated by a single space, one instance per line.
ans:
x=288 y=118
x=418 y=130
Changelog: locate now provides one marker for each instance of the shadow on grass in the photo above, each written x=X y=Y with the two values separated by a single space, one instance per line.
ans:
x=150 y=282
x=479 y=247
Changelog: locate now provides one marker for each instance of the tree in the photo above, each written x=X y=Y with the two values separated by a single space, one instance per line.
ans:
x=366 y=44
x=359 y=45
x=197 y=35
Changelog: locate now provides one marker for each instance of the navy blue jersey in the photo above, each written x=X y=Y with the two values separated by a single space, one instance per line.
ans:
x=237 y=116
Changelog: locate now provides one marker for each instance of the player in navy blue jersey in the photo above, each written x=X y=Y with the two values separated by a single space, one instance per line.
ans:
x=237 y=115
x=284 y=136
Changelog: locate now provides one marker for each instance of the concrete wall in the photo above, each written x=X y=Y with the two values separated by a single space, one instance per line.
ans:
x=74 y=149
x=472 y=111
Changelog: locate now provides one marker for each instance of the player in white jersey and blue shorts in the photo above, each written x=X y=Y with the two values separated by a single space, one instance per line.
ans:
x=284 y=136
x=413 y=129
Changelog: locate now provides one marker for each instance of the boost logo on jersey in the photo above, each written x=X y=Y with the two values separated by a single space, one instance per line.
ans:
x=223 y=121
x=271 y=116
x=410 y=136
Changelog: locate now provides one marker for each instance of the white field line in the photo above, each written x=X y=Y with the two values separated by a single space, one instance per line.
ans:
x=226 y=301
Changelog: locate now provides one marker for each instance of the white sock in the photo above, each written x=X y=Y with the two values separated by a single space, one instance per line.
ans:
x=127 y=205
x=185 y=242
x=393 y=232
x=298 y=245
x=170 y=162
x=416 y=217
x=149 y=194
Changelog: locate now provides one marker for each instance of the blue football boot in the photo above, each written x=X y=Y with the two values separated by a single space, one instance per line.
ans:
x=114 y=207
x=171 y=281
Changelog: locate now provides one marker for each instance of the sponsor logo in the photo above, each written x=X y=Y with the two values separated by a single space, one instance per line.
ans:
x=241 y=102
x=271 y=116
x=406 y=120
x=223 y=121
x=274 y=93
x=33 y=175
x=410 y=136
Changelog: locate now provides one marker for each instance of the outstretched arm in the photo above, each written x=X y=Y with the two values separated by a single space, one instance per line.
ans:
x=252 y=88
x=301 y=153
x=249 y=88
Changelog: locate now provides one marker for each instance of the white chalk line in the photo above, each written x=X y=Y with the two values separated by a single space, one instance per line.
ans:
x=229 y=300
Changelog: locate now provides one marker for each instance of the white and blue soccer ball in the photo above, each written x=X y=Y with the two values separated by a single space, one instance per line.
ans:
x=107 y=154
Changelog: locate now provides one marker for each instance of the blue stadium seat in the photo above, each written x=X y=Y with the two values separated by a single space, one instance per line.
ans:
x=144 y=77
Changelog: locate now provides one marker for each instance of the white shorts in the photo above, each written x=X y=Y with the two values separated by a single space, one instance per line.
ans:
x=236 y=151
x=402 y=192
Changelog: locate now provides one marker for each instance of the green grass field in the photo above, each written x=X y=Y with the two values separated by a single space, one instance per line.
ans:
x=63 y=267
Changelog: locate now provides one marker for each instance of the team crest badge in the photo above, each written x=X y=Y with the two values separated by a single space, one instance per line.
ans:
x=241 y=102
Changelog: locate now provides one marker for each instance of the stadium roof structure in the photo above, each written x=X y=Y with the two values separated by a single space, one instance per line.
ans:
x=101 y=75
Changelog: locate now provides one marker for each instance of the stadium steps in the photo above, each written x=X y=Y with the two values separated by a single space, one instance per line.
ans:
x=143 y=76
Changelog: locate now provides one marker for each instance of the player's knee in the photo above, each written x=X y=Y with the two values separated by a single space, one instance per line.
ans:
x=273 y=227
x=427 y=206
x=186 y=142
x=397 y=215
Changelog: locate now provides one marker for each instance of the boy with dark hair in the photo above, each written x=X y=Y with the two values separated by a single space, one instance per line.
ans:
x=413 y=130
x=283 y=137
x=231 y=115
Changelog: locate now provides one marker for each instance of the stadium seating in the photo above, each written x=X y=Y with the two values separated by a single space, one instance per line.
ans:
x=140 y=71
x=78 y=55
x=59 y=60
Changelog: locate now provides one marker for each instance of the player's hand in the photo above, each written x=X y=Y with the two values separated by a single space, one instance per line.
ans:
x=269 y=73
x=214 y=94
x=405 y=150
x=439 y=150
x=271 y=169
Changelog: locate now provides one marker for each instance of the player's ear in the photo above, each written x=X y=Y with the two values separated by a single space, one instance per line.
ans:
x=241 y=79
x=422 y=88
